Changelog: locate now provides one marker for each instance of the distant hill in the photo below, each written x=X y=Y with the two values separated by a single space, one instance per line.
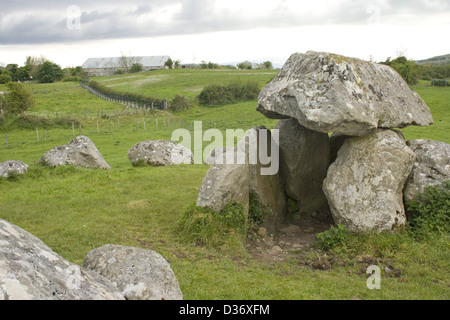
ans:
x=436 y=61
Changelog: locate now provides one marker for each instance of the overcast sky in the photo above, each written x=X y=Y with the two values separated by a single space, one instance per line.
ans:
x=69 y=32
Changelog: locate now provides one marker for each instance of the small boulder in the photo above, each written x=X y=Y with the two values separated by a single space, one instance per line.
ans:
x=364 y=186
x=160 y=153
x=331 y=93
x=80 y=152
x=139 y=274
x=29 y=270
x=431 y=168
x=14 y=167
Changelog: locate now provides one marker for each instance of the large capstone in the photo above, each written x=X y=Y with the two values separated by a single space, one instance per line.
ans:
x=364 y=186
x=331 y=93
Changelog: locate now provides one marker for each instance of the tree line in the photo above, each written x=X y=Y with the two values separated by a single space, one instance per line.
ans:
x=40 y=69
x=413 y=72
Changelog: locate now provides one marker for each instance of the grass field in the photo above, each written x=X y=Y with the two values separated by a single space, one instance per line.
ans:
x=76 y=210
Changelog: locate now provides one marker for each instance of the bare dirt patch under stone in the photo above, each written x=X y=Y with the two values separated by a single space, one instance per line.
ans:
x=294 y=236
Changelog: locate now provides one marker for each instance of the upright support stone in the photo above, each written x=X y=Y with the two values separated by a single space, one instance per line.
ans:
x=364 y=186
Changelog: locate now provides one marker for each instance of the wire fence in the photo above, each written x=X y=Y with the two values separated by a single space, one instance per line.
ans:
x=126 y=99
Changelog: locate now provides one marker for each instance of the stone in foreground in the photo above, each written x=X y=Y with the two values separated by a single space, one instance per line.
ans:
x=431 y=168
x=364 y=186
x=332 y=93
x=140 y=274
x=29 y=270
x=80 y=152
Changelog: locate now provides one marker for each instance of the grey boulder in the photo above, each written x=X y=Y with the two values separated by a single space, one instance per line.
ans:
x=364 y=186
x=331 y=93
x=224 y=183
x=30 y=270
x=14 y=167
x=431 y=168
x=139 y=274
x=160 y=153
x=79 y=152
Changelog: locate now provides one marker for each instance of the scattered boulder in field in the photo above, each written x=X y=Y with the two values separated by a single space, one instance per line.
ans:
x=159 y=153
x=364 y=186
x=80 y=152
x=431 y=168
x=331 y=93
x=304 y=160
x=12 y=167
x=139 y=274
x=29 y=270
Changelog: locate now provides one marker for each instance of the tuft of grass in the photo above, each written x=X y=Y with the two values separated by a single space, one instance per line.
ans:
x=205 y=226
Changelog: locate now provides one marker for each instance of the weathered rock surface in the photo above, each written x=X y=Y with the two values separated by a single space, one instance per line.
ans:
x=364 y=186
x=219 y=156
x=304 y=160
x=12 y=166
x=160 y=153
x=80 y=152
x=268 y=187
x=224 y=183
x=244 y=173
x=138 y=273
x=331 y=93
x=29 y=270
x=431 y=168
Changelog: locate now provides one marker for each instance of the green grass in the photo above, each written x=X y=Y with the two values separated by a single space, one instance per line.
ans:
x=76 y=210
x=438 y=100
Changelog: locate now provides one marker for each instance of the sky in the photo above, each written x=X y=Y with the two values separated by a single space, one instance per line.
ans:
x=221 y=31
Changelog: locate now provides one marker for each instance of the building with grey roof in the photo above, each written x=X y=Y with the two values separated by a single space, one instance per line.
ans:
x=108 y=66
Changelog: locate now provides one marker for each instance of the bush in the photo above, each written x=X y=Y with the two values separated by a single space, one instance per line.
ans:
x=256 y=211
x=333 y=238
x=5 y=78
x=72 y=79
x=180 y=103
x=233 y=92
x=19 y=99
x=49 y=72
x=430 y=211
x=439 y=82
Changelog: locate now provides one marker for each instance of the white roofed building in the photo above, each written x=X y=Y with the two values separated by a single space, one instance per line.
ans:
x=108 y=66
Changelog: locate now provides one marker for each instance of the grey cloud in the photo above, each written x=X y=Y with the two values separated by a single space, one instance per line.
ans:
x=45 y=21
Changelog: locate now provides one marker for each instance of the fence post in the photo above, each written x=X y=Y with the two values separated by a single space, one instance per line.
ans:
x=73 y=129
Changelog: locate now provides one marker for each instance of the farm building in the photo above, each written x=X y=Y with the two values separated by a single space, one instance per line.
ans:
x=108 y=66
